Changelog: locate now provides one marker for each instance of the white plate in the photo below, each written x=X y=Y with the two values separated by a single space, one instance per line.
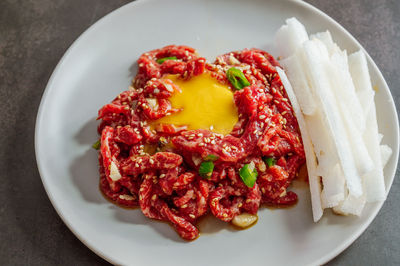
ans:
x=101 y=63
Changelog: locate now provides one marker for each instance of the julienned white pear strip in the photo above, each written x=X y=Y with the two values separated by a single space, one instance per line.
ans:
x=326 y=38
x=386 y=152
x=334 y=187
x=324 y=148
x=342 y=80
x=374 y=183
x=358 y=68
x=314 y=179
x=299 y=80
x=316 y=56
x=289 y=37
x=333 y=181
x=351 y=205
x=350 y=109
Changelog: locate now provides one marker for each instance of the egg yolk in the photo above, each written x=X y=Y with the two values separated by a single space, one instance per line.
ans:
x=204 y=103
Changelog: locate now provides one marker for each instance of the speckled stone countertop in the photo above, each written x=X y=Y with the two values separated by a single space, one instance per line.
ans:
x=33 y=37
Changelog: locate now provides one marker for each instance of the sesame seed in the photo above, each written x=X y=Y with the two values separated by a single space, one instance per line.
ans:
x=276 y=101
x=162 y=175
x=201 y=144
x=261 y=116
x=154 y=197
x=192 y=216
x=184 y=206
x=284 y=112
x=240 y=205
x=136 y=165
x=284 y=99
x=225 y=215
x=151 y=161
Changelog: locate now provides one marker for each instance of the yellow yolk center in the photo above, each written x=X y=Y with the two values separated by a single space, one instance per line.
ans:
x=204 y=103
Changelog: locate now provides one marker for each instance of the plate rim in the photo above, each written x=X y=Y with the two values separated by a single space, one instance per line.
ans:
x=49 y=88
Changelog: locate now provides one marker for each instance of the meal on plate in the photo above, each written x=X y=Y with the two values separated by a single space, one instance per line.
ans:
x=191 y=137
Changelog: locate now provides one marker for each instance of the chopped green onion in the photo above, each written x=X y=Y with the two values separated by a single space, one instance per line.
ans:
x=211 y=157
x=96 y=145
x=248 y=173
x=270 y=161
x=206 y=169
x=237 y=78
x=162 y=60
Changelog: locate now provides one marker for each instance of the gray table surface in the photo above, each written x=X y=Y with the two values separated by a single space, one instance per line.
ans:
x=33 y=37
